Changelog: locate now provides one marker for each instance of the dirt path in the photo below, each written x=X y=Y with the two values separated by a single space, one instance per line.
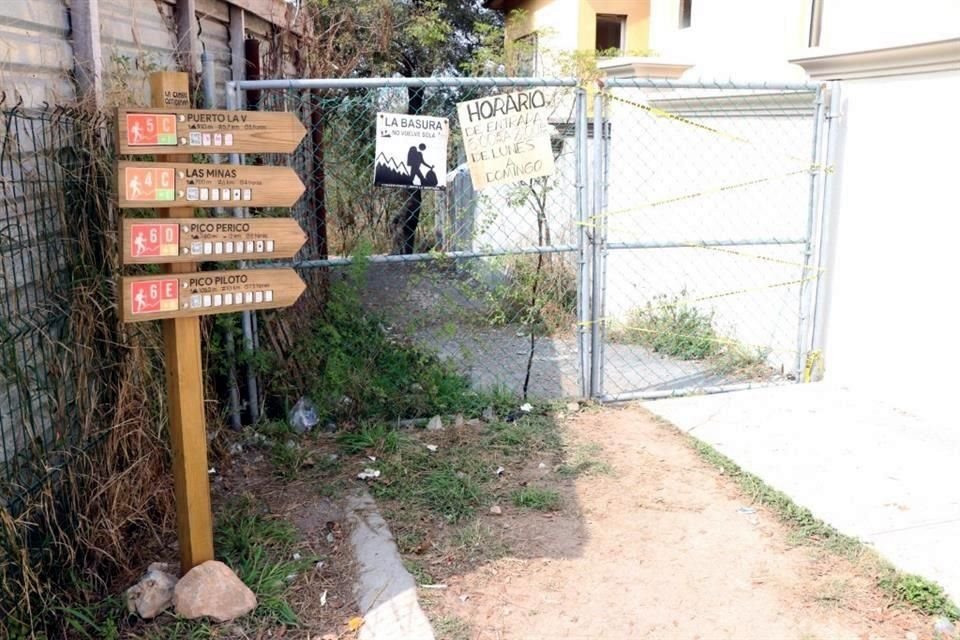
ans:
x=662 y=547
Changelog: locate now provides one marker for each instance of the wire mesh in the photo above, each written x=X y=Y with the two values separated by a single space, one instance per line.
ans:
x=705 y=219
x=486 y=279
x=34 y=245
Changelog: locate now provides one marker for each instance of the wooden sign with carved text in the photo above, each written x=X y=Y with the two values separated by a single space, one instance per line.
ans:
x=165 y=240
x=182 y=184
x=207 y=293
x=150 y=131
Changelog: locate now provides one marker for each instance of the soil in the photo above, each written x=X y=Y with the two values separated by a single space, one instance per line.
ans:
x=663 y=546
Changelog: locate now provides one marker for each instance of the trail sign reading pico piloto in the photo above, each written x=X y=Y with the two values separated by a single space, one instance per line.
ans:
x=148 y=131
x=507 y=137
x=165 y=184
x=155 y=241
x=208 y=292
x=411 y=151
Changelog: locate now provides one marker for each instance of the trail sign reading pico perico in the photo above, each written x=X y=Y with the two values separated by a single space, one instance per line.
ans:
x=155 y=241
x=156 y=184
x=207 y=131
x=208 y=292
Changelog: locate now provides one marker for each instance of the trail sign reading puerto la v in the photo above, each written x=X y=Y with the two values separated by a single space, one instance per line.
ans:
x=411 y=151
x=180 y=184
x=146 y=131
x=208 y=292
x=507 y=137
x=156 y=241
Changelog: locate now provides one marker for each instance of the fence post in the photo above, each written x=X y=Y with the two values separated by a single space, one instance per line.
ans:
x=583 y=282
x=246 y=317
x=597 y=251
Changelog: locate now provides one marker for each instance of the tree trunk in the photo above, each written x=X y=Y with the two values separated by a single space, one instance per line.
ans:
x=406 y=223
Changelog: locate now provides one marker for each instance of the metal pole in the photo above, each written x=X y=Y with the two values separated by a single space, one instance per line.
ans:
x=583 y=285
x=816 y=177
x=604 y=244
x=596 y=315
x=824 y=244
x=380 y=83
x=209 y=101
x=246 y=322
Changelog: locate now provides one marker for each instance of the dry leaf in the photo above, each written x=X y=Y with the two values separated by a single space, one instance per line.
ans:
x=355 y=623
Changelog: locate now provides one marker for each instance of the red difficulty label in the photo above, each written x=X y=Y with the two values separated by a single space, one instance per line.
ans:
x=150 y=129
x=149 y=240
x=153 y=296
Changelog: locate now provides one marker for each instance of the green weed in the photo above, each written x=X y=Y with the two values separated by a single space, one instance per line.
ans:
x=672 y=327
x=452 y=628
x=536 y=499
x=925 y=595
x=375 y=437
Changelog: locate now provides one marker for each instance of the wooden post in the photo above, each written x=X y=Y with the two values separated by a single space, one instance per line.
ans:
x=88 y=60
x=181 y=343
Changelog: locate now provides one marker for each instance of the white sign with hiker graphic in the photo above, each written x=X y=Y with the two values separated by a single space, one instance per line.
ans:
x=411 y=151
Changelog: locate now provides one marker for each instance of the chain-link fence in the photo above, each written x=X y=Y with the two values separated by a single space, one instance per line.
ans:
x=705 y=221
x=487 y=279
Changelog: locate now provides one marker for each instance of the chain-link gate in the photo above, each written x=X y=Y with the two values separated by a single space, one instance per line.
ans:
x=491 y=280
x=669 y=253
x=703 y=231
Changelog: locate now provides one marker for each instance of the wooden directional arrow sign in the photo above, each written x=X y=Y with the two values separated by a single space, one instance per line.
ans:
x=182 y=184
x=156 y=241
x=150 y=131
x=207 y=293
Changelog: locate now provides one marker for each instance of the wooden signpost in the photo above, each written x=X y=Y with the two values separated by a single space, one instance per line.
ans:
x=156 y=241
x=182 y=184
x=179 y=241
x=149 y=131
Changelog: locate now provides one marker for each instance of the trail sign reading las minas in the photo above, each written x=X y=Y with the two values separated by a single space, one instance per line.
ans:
x=208 y=292
x=507 y=137
x=155 y=241
x=149 y=131
x=176 y=184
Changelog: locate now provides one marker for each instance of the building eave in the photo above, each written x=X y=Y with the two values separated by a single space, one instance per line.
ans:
x=925 y=57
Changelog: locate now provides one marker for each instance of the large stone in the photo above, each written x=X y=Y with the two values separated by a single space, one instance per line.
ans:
x=212 y=590
x=153 y=594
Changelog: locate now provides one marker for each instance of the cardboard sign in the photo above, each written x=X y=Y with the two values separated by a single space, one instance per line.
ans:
x=411 y=151
x=150 y=184
x=207 y=293
x=507 y=137
x=207 y=131
x=210 y=239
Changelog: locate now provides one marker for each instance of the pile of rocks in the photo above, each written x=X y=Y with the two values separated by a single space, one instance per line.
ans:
x=209 y=590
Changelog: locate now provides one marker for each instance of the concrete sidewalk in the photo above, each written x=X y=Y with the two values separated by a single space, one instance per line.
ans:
x=869 y=469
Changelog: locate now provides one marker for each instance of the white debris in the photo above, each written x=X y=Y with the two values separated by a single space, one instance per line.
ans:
x=432 y=448
x=500 y=471
x=368 y=474
x=526 y=407
x=323 y=599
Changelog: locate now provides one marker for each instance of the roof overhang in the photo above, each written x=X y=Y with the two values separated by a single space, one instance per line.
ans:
x=925 y=57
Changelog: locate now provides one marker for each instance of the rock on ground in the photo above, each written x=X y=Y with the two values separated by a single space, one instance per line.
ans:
x=214 y=591
x=153 y=594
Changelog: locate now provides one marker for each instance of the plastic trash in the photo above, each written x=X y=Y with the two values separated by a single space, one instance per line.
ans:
x=303 y=417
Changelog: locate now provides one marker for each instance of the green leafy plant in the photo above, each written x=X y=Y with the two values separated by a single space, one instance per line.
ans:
x=674 y=328
x=536 y=499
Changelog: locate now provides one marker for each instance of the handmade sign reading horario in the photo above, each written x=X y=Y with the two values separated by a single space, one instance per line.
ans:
x=208 y=292
x=507 y=137
x=154 y=241
x=181 y=184
x=207 y=131
x=411 y=151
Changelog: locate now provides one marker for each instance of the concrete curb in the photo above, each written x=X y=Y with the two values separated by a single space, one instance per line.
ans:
x=386 y=592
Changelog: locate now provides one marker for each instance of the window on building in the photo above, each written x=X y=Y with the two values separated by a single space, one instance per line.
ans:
x=611 y=32
x=526 y=55
x=686 y=10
